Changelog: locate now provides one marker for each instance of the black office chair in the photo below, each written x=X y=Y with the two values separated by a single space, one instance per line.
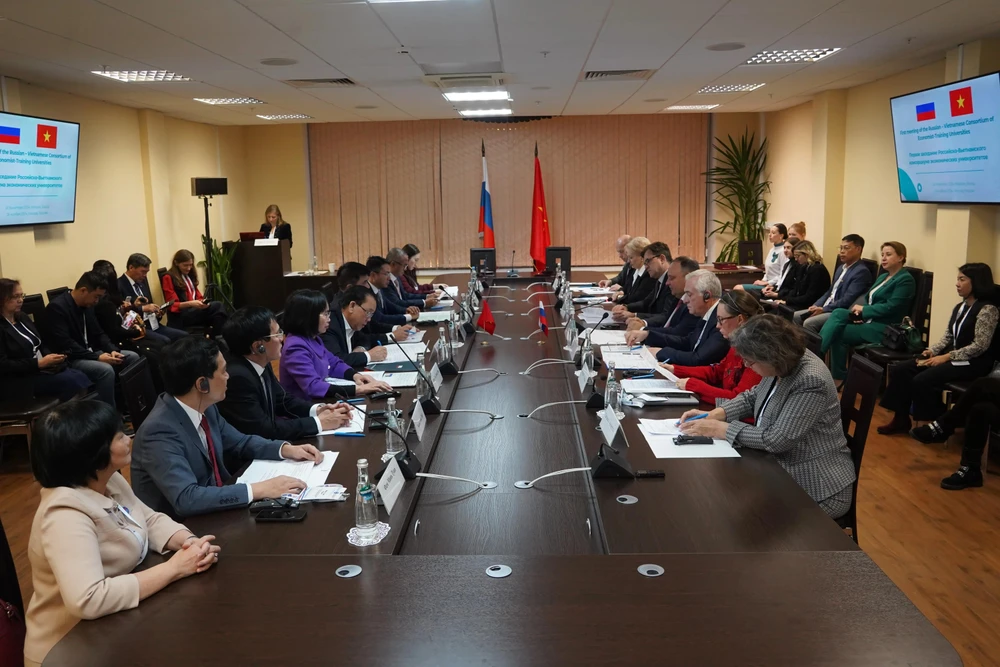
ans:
x=56 y=293
x=750 y=253
x=33 y=307
x=813 y=341
x=857 y=403
x=138 y=391
x=920 y=316
x=18 y=417
x=331 y=292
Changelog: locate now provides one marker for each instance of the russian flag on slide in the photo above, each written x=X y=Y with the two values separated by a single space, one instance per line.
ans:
x=486 y=209
x=10 y=135
x=925 y=112
x=543 y=321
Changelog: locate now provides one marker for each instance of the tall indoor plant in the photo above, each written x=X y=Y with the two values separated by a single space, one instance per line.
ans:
x=222 y=271
x=739 y=183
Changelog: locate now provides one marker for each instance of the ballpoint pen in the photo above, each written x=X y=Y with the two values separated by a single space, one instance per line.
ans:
x=348 y=435
x=691 y=419
x=643 y=377
x=352 y=401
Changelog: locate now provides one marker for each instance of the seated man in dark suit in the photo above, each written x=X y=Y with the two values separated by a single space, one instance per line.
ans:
x=394 y=292
x=255 y=402
x=387 y=311
x=675 y=316
x=177 y=456
x=356 y=274
x=705 y=344
x=345 y=338
x=656 y=258
x=133 y=284
x=71 y=328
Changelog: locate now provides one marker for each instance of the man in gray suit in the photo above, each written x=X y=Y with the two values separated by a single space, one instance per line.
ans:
x=851 y=280
x=178 y=455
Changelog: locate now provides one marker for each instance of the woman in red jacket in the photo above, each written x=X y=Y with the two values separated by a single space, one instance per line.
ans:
x=729 y=377
x=190 y=308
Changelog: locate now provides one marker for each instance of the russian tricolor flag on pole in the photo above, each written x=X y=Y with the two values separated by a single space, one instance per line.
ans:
x=543 y=321
x=486 y=209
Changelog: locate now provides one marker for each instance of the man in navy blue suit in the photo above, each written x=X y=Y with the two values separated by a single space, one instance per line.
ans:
x=133 y=283
x=851 y=280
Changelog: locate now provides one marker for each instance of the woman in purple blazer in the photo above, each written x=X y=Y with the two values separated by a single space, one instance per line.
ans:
x=305 y=362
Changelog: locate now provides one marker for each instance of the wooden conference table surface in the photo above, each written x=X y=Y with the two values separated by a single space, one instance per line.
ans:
x=755 y=572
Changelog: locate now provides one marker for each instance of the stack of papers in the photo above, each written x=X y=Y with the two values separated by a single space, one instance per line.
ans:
x=325 y=493
x=626 y=358
x=660 y=434
x=415 y=336
x=595 y=291
x=653 y=386
x=395 y=380
x=606 y=337
x=356 y=425
x=451 y=290
x=311 y=473
x=592 y=315
x=434 y=316
x=395 y=355
x=590 y=300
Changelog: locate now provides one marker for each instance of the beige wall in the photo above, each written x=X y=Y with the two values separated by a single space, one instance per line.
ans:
x=725 y=125
x=790 y=136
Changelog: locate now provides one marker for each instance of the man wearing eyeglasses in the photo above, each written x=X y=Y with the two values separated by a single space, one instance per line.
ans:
x=345 y=338
x=255 y=402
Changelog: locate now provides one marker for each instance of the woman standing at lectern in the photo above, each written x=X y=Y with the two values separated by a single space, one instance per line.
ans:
x=275 y=226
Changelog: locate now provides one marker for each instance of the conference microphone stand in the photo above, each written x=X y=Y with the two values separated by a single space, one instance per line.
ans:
x=409 y=464
x=513 y=272
x=430 y=404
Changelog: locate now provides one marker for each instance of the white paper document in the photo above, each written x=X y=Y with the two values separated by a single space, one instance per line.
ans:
x=660 y=434
x=396 y=380
x=606 y=337
x=592 y=315
x=594 y=291
x=415 y=336
x=325 y=493
x=310 y=473
x=452 y=291
x=340 y=382
x=626 y=361
x=589 y=300
x=434 y=316
x=356 y=425
x=654 y=386
x=394 y=355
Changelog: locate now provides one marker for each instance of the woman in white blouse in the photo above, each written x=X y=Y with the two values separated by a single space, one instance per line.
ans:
x=965 y=352
x=774 y=260
x=90 y=531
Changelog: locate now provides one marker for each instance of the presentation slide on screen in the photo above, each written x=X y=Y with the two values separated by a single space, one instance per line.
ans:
x=38 y=161
x=948 y=142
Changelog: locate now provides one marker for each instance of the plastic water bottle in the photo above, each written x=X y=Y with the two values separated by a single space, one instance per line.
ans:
x=423 y=387
x=443 y=346
x=613 y=393
x=393 y=443
x=365 y=511
x=453 y=330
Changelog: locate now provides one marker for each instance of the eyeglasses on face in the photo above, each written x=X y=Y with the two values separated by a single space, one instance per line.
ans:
x=368 y=313
x=725 y=319
x=279 y=334
x=325 y=313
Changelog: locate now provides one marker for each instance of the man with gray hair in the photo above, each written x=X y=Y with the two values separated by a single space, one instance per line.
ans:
x=395 y=293
x=624 y=276
x=705 y=344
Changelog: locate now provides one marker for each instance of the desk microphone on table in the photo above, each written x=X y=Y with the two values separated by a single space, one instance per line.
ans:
x=409 y=464
x=513 y=272
x=430 y=403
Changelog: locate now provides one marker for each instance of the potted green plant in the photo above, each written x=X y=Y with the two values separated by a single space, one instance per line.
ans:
x=222 y=271
x=739 y=185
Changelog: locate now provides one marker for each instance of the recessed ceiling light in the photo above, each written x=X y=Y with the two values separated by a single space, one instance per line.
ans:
x=691 y=107
x=481 y=96
x=366 y=106
x=486 y=112
x=791 y=56
x=279 y=62
x=283 y=116
x=730 y=88
x=228 y=101
x=541 y=87
x=656 y=99
x=140 y=76
x=726 y=46
x=379 y=2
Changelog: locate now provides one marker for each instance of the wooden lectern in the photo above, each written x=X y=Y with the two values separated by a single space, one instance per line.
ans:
x=259 y=274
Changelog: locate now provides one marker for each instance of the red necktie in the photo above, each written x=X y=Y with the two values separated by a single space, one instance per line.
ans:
x=211 y=451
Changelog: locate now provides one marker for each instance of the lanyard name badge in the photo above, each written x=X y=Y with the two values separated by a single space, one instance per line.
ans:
x=767 y=399
x=957 y=326
x=139 y=531
x=35 y=343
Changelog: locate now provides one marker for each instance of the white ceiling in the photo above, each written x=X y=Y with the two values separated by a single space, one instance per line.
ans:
x=542 y=46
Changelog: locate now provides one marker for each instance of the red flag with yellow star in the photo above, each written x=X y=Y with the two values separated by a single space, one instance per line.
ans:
x=47 y=136
x=540 y=239
x=961 y=101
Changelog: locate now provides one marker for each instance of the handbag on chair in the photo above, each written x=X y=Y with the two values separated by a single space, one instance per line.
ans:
x=12 y=631
x=902 y=337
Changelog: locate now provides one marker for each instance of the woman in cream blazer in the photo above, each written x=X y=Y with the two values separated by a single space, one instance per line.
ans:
x=90 y=531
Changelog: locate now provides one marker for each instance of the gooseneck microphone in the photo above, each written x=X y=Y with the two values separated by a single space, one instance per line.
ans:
x=430 y=403
x=513 y=272
x=409 y=464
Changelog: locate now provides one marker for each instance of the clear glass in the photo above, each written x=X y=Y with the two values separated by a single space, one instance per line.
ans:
x=444 y=345
x=613 y=392
x=423 y=388
x=365 y=511
x=452 y=330
x=393 y=443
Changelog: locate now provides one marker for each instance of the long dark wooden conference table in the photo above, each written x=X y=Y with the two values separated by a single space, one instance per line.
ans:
x=754 y=573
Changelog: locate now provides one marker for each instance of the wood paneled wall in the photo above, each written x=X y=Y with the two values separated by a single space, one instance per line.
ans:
x=379 y=185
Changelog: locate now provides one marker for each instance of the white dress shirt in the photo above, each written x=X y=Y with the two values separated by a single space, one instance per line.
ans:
x=267 y=392
x=836 y=285
x=774 y=262
x=349 y=333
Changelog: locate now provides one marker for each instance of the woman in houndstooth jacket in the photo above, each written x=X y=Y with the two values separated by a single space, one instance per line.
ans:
x=796 y=412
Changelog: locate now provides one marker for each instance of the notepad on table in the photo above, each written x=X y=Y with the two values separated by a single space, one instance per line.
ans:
x=313 y=474
x=356 y=425
x=395 y=380
x=434 y=316
x=660 y=434
x=653 y=387
x=599 y=337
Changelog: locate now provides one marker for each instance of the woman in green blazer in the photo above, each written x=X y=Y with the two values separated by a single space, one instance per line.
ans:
x=888 y=301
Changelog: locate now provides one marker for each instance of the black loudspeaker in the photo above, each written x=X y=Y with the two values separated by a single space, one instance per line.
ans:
x=209 y=187
x=609 y=463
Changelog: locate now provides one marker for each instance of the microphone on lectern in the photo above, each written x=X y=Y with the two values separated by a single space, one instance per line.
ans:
x=513 y=272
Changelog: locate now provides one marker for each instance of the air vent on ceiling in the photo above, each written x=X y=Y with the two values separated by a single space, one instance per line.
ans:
x=452 y=81
x=618 y=75
x=321 y=83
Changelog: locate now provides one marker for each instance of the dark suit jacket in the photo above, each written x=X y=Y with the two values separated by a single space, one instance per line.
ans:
x=141 y=288
x=811 y=283
x=855 y=283
x=656 y=301
x=284 y=231
x=387 y=313
x=636 y=293
x=111 y=321
x=246 y=406
x=401 y=298
x=704 y=345
x=675 y=318
x=64 y=325
x=335 y=340
x=624 y=276
x=792 y=270
x=171 y=471
x=18 y=365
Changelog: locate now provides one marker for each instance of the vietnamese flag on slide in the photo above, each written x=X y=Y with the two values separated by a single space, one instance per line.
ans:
x=47 y=136
x=961 y=101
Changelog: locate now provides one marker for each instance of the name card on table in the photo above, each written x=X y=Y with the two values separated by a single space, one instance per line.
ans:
x=419 y=420
x=391 y=484
x=265 y=242
x=583 y=376
x=609 y=424
x=436 y=378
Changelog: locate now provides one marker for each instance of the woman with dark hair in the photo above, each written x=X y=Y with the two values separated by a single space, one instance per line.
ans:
x=789 y=273
x=27 y=367
x=190 y=307
x=774 y=260
x=966 y=351
x=811 y=281
x=90 y=531
x=888 y=301
x=730 y=376
x=275 y=226
x=795 y=409
x=409 y=278
x=111 y=310
x=307 y=369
